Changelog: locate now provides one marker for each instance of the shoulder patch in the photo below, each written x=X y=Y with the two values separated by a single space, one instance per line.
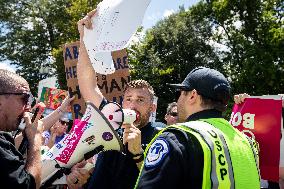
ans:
x=157 y=152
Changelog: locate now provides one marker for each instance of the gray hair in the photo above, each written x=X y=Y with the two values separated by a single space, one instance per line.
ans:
x=170 y=107
x=10 y=82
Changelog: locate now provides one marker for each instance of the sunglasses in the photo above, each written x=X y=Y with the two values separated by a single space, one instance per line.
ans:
x=27 y=98
x=63 y=122
x=173 y=114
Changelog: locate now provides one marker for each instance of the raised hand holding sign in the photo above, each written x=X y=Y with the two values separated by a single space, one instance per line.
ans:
x=103 y=37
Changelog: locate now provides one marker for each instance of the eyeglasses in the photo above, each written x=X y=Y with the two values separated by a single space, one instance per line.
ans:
x=174 y=114
x=27 y=97
x=63 y=122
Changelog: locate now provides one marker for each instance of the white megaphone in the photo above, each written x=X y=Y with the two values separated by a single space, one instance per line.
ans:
x=117 y=116
x=94 y=133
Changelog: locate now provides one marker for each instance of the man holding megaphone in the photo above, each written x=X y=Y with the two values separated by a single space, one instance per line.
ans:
x=117 y=169
x=15 y=103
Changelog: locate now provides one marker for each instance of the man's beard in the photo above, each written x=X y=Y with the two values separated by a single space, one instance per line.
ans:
x=143 y=120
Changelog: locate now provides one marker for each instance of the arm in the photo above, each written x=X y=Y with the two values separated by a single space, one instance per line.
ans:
x=86 y=74
x=166 y=168
x=51 y=119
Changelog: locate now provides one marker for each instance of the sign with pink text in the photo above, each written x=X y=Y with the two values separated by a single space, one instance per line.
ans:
x=86 y=134
x=260 y=118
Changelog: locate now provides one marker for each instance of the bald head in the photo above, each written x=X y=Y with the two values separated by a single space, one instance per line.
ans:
x=11 y=82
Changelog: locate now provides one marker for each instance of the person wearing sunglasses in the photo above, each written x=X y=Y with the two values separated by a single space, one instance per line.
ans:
x=56 y=133
x=15 y=102
x=171 y=116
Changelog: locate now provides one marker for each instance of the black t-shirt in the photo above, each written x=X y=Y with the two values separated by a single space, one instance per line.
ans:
x=117 y=170
x=184 y=166
x=12 y=163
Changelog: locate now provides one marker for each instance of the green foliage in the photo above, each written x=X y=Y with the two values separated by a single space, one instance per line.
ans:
x=169 y=51
x=32 y=32
x=254 y=34
x=242 y=39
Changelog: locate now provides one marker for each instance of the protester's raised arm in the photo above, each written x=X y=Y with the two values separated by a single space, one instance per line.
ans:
x=52 y=118
x=86 y=74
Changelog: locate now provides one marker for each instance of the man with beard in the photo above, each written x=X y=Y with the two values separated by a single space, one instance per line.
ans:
x=114 y=169
x=14 y=104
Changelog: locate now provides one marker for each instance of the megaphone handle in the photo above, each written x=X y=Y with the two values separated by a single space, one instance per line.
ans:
x=56 y=176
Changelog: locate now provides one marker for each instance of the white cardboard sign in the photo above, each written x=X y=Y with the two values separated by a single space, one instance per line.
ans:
x=114 y=23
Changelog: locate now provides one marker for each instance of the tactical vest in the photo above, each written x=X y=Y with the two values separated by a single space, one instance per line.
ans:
x=230 y=158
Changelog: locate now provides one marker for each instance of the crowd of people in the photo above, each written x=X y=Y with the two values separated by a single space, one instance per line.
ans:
x=197 y=149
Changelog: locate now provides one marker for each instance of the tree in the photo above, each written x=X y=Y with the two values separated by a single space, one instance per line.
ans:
x=253 y=34
x=32 y=33
x=169 y=51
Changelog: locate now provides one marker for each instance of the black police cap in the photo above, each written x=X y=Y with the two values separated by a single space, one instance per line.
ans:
x=209 y=83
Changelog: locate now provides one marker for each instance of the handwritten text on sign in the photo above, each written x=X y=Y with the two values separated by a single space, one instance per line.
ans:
x=112 y=85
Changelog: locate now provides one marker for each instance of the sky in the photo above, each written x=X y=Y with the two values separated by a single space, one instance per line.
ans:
x=157 y=10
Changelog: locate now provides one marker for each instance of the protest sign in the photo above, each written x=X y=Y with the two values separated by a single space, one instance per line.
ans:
x=261 y=118
x=50 y=82
x=112 y=16
x=111 y=86
x=52 y=98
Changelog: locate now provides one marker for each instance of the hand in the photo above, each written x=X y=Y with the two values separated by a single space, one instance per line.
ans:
x=78 y=176
x=53 y=131
x=282 y=96
x=87 y=22
x=132 y=136
x=66 y=102
x=32 y=129
x=240 y=98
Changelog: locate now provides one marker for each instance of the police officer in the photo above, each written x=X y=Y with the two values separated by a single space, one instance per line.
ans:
x=204 y=150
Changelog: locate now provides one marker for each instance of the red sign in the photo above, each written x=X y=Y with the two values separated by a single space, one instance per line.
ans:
x=261 y=118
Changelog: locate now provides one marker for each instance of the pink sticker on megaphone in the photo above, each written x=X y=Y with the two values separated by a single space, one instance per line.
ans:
x=71 y=141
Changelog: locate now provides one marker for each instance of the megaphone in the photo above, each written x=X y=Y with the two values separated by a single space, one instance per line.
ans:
x=94 y=133
x=117 y=116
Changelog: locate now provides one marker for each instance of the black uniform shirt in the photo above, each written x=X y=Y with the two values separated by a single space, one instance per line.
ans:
x=12 y=164
x=180 y=164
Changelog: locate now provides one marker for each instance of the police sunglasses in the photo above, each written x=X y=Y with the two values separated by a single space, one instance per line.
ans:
x=26 y=97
